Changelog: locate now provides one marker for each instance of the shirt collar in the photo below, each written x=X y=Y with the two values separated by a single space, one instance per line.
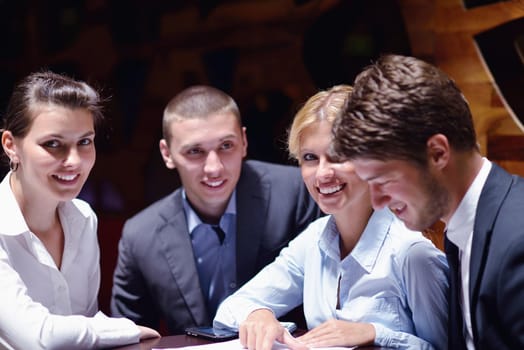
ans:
x=12 y=221
x=368 y=247
x=460 y=226
x=192 y=217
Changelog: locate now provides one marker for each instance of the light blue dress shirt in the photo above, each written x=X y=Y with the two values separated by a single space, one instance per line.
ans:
x=394 y=279
x=215 y=262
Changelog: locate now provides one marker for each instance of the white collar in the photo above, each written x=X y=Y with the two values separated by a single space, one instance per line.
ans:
x=460 y=226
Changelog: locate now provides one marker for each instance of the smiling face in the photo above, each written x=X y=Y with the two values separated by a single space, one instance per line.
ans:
x=334 y=186
x=208 y=153
x=411 y=192
x=57 y=154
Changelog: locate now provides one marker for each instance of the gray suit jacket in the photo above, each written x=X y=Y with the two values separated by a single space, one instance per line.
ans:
x=496 y=287
x=156 y=276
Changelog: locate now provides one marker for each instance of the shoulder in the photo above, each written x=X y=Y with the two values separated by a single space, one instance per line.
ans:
x=319 y=225
x=264 y=168
x=312 y=233
x=81 y=206
x=254 y=170
x=156 y=214
x=82 y=221
x=411 y=246
x=77 y=211
x=167 y=202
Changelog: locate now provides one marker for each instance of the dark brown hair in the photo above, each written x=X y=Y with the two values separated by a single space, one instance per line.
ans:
x=47 y=88
x=397 y=104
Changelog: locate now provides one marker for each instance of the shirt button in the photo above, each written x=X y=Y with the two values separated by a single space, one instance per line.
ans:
x=232 y=285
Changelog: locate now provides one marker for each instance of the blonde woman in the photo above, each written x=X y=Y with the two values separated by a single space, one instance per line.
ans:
x=362 y=276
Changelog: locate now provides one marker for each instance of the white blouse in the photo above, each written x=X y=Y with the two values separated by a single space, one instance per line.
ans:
x=43 y=307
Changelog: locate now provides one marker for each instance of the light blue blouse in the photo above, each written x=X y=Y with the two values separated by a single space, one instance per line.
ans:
x=394 y=279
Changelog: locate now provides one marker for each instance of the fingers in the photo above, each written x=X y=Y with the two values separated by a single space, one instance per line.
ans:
x=146 y=333
x=292 y=342
x=258 y=336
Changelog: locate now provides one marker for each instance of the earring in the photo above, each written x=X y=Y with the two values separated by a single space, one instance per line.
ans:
x=13 y=165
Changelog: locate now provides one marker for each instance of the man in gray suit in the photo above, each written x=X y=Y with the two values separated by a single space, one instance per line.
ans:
x=181 y=256
x=409 y=132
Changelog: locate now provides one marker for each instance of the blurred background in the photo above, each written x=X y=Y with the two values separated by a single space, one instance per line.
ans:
x=270 y=55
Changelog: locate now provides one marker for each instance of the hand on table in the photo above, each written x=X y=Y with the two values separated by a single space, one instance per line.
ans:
x=339 y=333
x=146 y=333
x=260 y=330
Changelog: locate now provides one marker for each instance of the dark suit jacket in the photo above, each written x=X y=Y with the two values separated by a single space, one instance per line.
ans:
x=497 y=268
x=156 y=276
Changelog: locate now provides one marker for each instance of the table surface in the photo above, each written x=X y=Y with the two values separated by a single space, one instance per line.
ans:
x=179 y=341
x=172 y=341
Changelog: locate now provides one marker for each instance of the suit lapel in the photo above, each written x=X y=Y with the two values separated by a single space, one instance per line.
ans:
x=456 y=322
x=493 y=193
x=252 y=206
x=178 y=252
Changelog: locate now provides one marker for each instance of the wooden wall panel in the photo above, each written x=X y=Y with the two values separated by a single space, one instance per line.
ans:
x=442 y=31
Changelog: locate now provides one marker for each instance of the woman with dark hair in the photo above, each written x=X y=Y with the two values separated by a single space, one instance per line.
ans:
x=49 y=255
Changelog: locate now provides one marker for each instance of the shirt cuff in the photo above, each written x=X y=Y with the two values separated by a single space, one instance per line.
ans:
x=113 y=331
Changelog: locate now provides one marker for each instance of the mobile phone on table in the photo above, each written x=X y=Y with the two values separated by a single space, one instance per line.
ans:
x=211 y=333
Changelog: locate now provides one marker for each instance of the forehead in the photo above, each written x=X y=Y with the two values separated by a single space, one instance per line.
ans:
x=317 y=132
x=374 y=169
x=61 y=120
x=201 y=130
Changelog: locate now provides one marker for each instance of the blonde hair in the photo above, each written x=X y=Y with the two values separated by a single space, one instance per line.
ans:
x=324 y=105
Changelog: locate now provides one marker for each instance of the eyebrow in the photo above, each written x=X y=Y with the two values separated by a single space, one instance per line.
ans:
x=375 y=177
x=199 y=144
x=60 y=136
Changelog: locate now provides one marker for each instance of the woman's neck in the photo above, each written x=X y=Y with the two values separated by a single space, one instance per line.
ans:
x=351 y=224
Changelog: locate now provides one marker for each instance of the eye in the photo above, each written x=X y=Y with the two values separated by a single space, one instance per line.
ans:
x=307 y=157
x=227 y=145
x=85 y=142
x=194 y=151
x=52 y=144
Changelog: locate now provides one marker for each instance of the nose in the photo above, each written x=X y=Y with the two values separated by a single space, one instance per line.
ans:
x=72 y=157
x=379 y=199
x=213 y=165
x=325 y=169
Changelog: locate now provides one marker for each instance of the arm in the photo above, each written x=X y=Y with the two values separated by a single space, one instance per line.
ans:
x=410 y=270
x=260 y=330
x=424 y=272
x=26 y=324
x=510 y=297
x=278 y=287
x=130 y=297
x=94 y=274
x=339 y=333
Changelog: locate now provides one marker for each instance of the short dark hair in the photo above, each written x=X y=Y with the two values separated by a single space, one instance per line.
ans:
x=198 y=101
x=397 y=104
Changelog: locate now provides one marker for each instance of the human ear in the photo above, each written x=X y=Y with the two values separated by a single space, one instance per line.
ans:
x=438 y=150
x=166 y=154
x=244 y=141
x=8 y=144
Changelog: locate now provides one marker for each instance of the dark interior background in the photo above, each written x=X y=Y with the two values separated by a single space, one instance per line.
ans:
x=270 y=55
